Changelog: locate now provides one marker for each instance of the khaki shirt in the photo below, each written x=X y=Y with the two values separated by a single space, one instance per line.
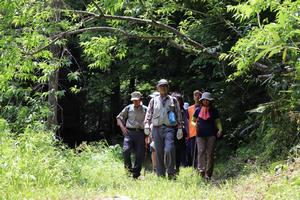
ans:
x=133 y=117
x=158 y=108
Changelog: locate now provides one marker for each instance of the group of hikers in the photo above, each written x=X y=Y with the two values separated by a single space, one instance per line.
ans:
x=178 y=134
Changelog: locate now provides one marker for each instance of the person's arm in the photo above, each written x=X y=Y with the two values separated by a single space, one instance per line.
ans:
x=195 y=116
x=121 y=118
x=148 y=117
x=218 y=124
x=149 y=114
x=219 y=127
x=179 y=115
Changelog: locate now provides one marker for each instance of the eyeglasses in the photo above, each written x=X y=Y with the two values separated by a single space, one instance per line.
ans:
x=163 y=85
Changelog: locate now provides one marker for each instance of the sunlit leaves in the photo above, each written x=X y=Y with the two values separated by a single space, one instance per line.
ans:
x=74 y=76
x=252 y=7
x=274 y=39
x=102 y=51
x=110 y=7
x=75 y=89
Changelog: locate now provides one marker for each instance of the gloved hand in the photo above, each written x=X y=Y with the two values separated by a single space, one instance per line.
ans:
x=147 y=131
x=179 y=134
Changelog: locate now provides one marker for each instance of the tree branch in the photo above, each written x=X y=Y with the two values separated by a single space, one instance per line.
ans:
x=264 y=76
x=100 y=28
x=261 y=67
x=153 y=23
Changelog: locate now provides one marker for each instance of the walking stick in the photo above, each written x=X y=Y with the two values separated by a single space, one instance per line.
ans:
x=194 y=153
x=146 y=154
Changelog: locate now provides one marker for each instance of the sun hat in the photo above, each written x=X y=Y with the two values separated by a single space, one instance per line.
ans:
x=207 y=96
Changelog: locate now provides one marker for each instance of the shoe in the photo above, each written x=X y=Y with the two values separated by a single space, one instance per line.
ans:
x=201 y=173
x=172 y=177
x=207 y=178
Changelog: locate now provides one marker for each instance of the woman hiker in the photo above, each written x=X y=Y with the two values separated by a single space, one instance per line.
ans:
x=180 y=146
x=209 y=128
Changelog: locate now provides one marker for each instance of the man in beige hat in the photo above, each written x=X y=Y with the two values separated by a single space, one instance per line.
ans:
x=165 y=116
x=131 y=122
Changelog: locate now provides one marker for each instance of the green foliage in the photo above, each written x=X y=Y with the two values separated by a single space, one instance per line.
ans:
x=102 y=51
x=35 y=162
x=275 y=44
x=25 y=27
x=111 y=7
x=279 y=38
x=34 y=165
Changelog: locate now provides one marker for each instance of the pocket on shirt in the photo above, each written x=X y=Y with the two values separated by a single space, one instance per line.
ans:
x=155 y=120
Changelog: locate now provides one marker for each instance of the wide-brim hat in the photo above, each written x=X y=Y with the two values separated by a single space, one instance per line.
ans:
x=135 y=96
x=207 y=96
x=162 y=82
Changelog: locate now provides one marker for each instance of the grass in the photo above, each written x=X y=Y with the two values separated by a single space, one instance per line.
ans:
x=34 y=166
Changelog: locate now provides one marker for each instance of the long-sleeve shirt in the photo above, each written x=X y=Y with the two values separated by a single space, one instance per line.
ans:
x=158 y=108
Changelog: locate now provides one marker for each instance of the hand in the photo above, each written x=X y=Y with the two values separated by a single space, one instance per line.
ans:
x=124 y=130
x=219 y=134
x=147 y=131
x=179 y=134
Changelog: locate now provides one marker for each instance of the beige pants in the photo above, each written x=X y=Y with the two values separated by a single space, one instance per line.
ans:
x=205 y=156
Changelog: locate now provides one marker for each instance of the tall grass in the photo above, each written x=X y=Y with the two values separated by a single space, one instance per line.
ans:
x=33 y=165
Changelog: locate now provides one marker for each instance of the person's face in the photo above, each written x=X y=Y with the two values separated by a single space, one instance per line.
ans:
x=205 y=102
x=163 y=89
x=136 y=102
x=197 y=97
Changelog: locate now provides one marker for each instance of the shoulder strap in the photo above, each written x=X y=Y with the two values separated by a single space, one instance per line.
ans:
x=128 y=107
x=144 y=108
x=173 y=99
x=154 y=100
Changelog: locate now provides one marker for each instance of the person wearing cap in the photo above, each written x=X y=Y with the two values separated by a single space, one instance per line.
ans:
x=164 y=114
x=191 y=137
x=131 y=122
x=208 y=125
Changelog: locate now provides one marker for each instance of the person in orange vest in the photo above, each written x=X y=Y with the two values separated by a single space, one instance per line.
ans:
x=191 y=136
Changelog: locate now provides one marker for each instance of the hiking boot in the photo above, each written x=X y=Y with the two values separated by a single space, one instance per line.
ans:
x=201 y=173
x=171 y=176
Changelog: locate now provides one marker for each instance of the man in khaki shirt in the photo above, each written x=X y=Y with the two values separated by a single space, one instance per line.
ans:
x=163 y=132
x=131 y=122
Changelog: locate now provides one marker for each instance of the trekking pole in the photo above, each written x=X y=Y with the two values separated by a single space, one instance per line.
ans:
x=194 y=153
x=146 y=155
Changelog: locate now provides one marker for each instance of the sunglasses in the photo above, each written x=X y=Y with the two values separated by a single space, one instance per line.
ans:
x=164 y=85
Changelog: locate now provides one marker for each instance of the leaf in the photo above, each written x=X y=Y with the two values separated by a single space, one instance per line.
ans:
x=276 y=50
x=261 y=54
x=74 y=76
x=284 y=55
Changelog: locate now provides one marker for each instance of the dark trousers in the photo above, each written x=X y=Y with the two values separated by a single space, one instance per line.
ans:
x=163 y=137
x=206 y=147
x=180 y=153
x=134 y=141
x=191 y=152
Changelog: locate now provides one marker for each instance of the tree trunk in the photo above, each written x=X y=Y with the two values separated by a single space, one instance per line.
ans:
x=115 y=105
x=53 y=79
